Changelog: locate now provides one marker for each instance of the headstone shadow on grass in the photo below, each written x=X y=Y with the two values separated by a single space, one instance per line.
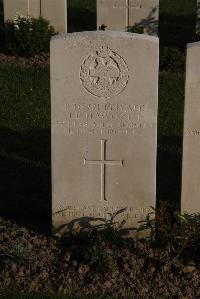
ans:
x=1 y=25
x=177 y=22
x=169 y=160
x=26 y=177
x=198 y=19
x=81 y=17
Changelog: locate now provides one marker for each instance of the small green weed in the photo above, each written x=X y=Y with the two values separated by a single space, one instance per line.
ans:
x=100 y=255
x=178 y=234
x=98 y=244
x=136 y=29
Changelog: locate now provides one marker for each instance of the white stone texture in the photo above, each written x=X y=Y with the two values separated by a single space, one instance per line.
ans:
x=22 y=7
x=190 y=201
x=55 y=11
x=123 y=14
x=104 y=92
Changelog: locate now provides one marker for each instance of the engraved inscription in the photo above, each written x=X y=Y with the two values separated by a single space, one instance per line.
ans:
x=123 y=213
x=104 y=119
x=104 y=73
x=103 y=163
x=193 y=133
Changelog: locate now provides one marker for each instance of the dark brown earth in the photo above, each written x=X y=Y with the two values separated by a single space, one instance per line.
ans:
x=31 y=262
x=38 y=60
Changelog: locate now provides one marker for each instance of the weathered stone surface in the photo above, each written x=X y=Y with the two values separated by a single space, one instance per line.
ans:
x=122 y=15
x=104 y=88
x=22 y=7
x=56 y=13
x=190 y=202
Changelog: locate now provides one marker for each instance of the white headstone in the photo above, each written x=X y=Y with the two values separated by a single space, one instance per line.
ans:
x=121 y=15
x=55 y=11
x=190 y=201
x=22 y=7
x=104 y=91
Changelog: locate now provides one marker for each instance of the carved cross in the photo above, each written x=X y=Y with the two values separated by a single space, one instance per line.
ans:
x=28 y=7
x=127 y=7
x=103 y=163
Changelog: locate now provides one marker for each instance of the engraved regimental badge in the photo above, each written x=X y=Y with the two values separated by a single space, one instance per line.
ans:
x=104 y=73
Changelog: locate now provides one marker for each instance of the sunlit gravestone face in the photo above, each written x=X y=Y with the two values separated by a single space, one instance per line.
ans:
x=21 y=7
x=123 y=15
x=104 y=119
x=190 y=202
x=54 y=11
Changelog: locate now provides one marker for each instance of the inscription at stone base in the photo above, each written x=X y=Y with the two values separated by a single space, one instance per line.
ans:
x=122 y=213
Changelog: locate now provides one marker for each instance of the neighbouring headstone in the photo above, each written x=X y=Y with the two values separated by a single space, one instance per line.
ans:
x=104 y=91
x=122 y=15
x=190 y=202
x=22 y=7
x=55 y=11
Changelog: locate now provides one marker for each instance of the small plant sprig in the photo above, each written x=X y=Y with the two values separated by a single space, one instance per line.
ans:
x=136 y=29
x=175 y=232
x=98 y=242
x=100 y=255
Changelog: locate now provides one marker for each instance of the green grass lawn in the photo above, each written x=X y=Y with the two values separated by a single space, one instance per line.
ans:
x=25 y=139
x=81 y=15
x=170 y=127
x=177 y=22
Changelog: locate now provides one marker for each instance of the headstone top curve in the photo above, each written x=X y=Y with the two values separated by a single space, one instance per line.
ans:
x=192 y=45
x=106 y=33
